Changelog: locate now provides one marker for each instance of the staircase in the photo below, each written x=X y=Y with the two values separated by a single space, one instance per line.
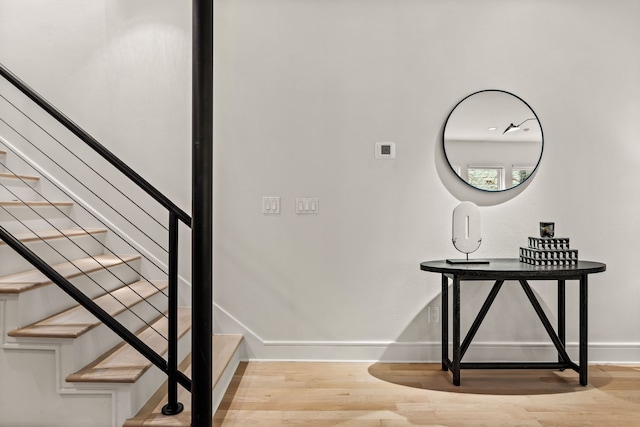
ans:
x=60 y=366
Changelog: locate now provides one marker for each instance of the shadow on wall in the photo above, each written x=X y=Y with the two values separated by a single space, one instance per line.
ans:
x=427 y=374
x=420 y=341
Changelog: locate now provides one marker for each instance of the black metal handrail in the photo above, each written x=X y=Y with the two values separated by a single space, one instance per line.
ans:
x=176 y=214
x=85 y=137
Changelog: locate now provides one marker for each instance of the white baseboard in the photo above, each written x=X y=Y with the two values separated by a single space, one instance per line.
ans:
x=416 y=351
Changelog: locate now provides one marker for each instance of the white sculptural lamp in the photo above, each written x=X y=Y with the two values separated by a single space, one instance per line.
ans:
x=466 y=232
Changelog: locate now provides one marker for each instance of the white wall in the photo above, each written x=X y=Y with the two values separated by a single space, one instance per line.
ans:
x=304 y=89
x=121 y=70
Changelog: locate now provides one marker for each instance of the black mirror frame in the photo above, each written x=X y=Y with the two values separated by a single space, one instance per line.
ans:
x=444 y=149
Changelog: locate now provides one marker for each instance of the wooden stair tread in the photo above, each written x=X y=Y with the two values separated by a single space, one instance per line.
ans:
x=24 y=281
x=224 y=347
x=77 y=320
x=14 y=176
x=33 y=203
x=123 y=364
x=55 y=234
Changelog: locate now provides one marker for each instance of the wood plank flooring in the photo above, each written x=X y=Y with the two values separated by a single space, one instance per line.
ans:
x=390 y=395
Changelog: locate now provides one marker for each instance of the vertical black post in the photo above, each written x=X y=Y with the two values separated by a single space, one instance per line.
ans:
x=444 y=311
x=201 y=229
x=562 y=323
x=456 y=330
x=173 y=407
x=584 y=329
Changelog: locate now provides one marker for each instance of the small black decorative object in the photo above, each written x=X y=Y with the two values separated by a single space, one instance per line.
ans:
x=547 y=229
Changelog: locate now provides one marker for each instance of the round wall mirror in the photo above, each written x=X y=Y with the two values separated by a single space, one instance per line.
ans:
x=493 y=140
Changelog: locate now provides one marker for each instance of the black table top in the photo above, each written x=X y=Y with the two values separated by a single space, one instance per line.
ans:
x=512 y=268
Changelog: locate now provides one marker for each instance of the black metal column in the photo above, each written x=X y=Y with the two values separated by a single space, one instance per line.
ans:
x=202 y=213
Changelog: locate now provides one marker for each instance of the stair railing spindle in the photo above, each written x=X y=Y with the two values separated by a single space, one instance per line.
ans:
x=173 y=407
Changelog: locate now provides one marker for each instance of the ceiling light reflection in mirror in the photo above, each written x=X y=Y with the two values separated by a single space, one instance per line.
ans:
x=493 y=140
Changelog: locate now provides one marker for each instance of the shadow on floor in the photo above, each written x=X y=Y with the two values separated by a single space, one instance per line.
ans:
x=430 y=376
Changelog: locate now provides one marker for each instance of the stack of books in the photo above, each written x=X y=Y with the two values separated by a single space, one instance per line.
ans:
x=549 y=251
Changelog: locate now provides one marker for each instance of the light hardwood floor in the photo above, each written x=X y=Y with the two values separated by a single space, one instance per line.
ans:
x=390 y=395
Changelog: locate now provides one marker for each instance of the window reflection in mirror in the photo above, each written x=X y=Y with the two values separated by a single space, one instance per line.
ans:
x=493 y=140
x=486 y=178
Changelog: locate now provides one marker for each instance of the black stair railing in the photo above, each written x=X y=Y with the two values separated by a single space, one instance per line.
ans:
x=93 y=308
x=169 y=366
x=95 y=145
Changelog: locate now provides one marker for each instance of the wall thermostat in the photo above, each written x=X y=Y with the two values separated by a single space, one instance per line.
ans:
x=385 y=150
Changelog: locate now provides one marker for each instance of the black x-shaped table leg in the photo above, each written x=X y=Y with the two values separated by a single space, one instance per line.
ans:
x=558 y=339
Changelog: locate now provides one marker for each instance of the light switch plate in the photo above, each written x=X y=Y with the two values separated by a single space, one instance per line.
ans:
x=307 y=205
x=271 y=205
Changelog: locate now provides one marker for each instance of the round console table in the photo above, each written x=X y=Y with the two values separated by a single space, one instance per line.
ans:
x=501 y=270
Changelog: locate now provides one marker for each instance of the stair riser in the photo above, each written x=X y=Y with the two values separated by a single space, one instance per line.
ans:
x=33 y=221
x=44 y=301
x=130 y=398
x=8 y=314
x=30 y=394
x=17 y=189
x=79 y=352
x=100 y=339
x=50 y=251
